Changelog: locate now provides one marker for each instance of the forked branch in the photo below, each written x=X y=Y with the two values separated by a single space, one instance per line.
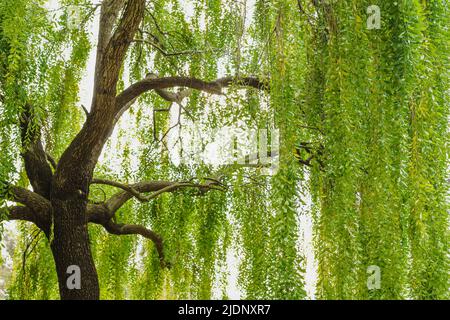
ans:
x=156 y=188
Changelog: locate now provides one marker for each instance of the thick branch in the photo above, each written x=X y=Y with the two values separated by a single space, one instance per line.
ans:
x=109 y=13
x=131 y=229
x=104 y=213
x=112 y=56
x=32 y=200
x=19 y=213
x=213 y=87
x=170 y=96
x=38 y=209
x=100 y=214
x=35 y=158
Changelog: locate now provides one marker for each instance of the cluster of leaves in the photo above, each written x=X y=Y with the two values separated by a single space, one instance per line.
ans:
x=379 y=100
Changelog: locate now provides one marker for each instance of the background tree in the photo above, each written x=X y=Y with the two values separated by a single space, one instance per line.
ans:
x=363 y=120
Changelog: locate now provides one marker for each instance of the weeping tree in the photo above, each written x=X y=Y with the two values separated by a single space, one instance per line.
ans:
x=362 y=115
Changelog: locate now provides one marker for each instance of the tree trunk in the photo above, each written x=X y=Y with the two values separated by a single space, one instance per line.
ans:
x=71 y=249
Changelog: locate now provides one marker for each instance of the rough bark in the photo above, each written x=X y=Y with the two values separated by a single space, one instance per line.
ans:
x=70 y=246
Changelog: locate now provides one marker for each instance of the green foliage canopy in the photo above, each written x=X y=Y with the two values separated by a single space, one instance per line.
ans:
x=371 y=105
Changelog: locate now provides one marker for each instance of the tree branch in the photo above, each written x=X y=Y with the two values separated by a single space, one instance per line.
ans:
x=113 y=54
x=101 y=215
x=31 y=199
x=37 y=210
x=131 y=229
x=104 y=213
x=122 y=186
x=213 y=87
x=170 y=96
x=109 y=13
x=18 y=213
x=86 y=147
x=157 y=187
x=35 y=158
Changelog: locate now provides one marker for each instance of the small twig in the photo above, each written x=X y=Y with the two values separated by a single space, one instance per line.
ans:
x=86 y=112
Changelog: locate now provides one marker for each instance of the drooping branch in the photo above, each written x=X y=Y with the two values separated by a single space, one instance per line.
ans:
x=104 y=213
x=100 y=214
x=212 y=87
x=133 y=229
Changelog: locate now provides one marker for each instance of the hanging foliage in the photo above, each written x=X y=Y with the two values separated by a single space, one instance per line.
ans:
x=347 y=103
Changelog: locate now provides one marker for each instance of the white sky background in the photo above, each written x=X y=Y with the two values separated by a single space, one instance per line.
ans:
x=113 y=161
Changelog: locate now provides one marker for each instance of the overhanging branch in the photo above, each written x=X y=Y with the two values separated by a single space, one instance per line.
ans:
x=101 y=215
x=212 y=87
x=157 y=188
x=133 y=229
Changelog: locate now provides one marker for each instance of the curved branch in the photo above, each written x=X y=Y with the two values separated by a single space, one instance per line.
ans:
x=213 y=87
x=119 y=185
x=104 y=213
x=131 y=229
x=101 y=215
x=156 y=187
